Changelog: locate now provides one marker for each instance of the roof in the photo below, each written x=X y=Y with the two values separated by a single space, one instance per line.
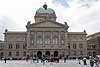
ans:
x=15 y=32
x=31 y=25
x=48 y=11
x=76 y=33
x=95 y=34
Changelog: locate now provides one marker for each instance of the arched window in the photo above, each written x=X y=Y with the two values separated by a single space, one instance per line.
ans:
x=62 y=42
x=62 y=36
x=55 y=40
x=32 y=40
x=47 y=40
x=39 y=40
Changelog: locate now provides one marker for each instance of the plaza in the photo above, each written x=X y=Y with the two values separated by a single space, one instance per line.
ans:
x=23 y=63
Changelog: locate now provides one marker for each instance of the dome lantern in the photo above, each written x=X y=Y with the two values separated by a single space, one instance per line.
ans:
x=45 y=6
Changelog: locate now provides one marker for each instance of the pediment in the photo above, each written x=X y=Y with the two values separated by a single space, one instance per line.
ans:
x=48 y=24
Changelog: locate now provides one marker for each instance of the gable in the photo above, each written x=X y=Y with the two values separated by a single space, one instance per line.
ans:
x=48 y=24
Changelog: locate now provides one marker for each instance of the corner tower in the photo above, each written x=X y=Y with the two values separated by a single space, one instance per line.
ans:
x=44 y=13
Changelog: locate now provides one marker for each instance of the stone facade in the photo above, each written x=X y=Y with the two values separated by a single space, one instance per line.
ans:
x=45 y=37
x=93 y=44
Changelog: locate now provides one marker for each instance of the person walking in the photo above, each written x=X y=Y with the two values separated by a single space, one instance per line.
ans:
x=84 y=61
x=33 y=58
x=96 y=61
x=65 y=59
x=43 y=59
x=91 y=62
x=5 y=59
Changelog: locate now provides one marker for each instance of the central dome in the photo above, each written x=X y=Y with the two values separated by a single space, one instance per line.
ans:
x=43 y=10
x=45 y=13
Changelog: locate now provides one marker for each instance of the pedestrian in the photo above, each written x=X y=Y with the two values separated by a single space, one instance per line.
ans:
x=91 y=62
x=43 y=59
x=33 y=58
x=57 y=59
x=27 y=58
x=37 y=58
x=96 y=61
x=84 y=61
x=65 y=59
x=5 y=59
x=79 y=62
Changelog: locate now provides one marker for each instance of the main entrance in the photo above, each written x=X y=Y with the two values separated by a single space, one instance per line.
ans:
x=39 y=54
x=55 y=53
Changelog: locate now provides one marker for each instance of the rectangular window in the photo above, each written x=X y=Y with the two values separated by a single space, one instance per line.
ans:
x=74 y=46
x=93 y=46
x=9 y=54
x=80 y=45
x=10 y=46
x=74 y=52
x=17 y=46
x=17 y=53
x=68 y=45
x=1 y=46
x=24 y=53
x=24 y=46
x=81 y=52
x=2 y=54
x=69 y=53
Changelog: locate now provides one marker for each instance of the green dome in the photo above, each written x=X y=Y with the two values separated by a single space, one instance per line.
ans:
x=48 y=10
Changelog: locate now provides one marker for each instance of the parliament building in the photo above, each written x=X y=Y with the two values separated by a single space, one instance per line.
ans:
x=45 y=36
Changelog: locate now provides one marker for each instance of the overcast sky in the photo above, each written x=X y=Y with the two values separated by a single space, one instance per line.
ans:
x=79 y=14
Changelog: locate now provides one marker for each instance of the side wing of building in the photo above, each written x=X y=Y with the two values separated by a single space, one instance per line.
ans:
x=15 y=44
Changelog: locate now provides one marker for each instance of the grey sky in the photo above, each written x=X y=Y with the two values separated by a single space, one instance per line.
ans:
x=14 y=14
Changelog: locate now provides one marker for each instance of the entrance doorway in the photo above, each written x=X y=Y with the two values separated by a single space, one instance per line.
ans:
x=47 y=53
x=55 y=53
x=39 y=54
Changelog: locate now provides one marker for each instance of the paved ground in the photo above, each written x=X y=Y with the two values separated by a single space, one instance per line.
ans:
x=23 y=63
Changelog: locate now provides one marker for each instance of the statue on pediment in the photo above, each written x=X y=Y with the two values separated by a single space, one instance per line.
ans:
x=66 y=26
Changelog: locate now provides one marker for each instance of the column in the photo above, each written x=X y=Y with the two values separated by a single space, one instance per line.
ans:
x=51 y=38
x=28 y=41
x=35 y=38
x=59 y=38
x=28 y=38
x=43 y=38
